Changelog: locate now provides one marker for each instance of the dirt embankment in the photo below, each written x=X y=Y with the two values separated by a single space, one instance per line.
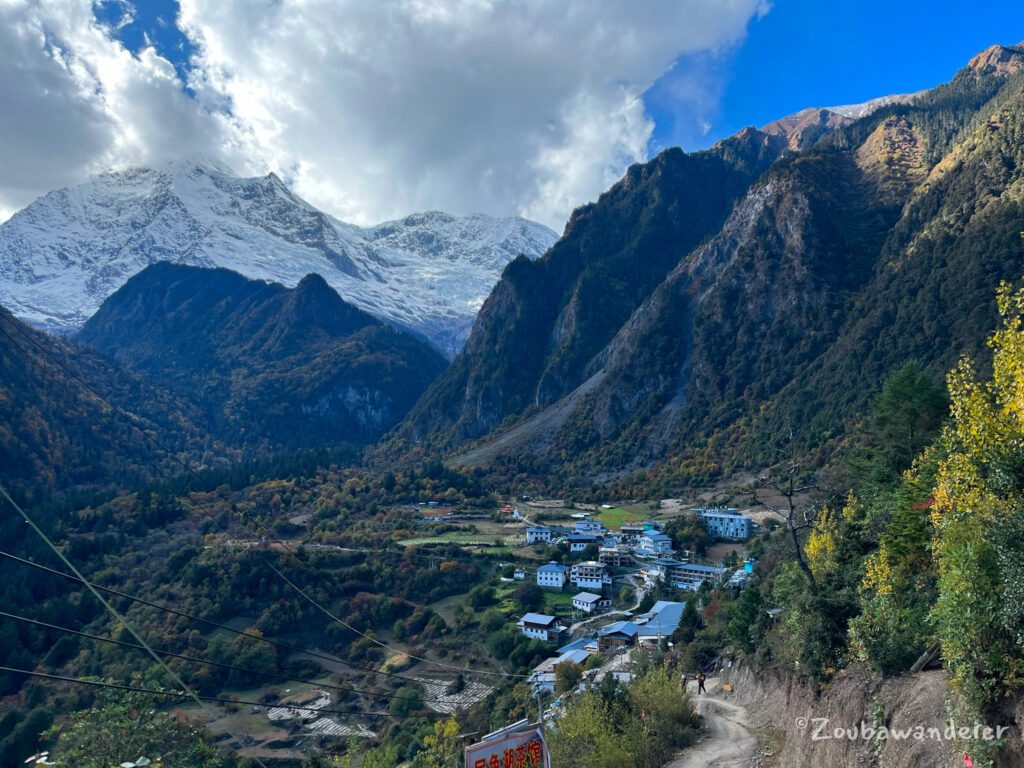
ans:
x=807 y=722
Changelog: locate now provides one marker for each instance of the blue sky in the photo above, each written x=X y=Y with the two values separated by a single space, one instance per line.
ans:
x=828 y=52
x=148 y=21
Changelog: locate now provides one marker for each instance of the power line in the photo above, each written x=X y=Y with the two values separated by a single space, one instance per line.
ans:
x=111 y=609
x=460 y=670
x=235 y=508
x=206 y=662
x=212 y=699
x=208 y=622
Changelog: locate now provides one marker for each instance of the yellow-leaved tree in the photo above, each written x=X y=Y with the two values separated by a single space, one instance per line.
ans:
x=977 y=518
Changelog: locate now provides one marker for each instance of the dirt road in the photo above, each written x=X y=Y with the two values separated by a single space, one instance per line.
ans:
x=728 y=743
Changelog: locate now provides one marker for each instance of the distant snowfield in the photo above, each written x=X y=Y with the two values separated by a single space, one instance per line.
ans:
x=430 y=272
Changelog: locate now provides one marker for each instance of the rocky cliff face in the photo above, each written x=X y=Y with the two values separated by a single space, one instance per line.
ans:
x=537 y=335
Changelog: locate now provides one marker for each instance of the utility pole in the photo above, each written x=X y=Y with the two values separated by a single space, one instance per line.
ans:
x=540 y=707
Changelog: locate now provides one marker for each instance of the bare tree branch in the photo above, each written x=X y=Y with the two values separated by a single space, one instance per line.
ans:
x=788 y=481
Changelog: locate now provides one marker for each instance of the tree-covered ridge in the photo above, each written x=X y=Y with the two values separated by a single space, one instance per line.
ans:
x=57 y=435
x=271 y=368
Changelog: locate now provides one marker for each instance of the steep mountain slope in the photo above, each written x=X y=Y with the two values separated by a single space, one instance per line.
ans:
x=65 y=253
x=881 y=243
x=543 y=324
x=55 y=434
x=270 y=367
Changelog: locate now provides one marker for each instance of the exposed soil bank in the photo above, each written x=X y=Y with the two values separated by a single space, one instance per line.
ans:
x=807 y=721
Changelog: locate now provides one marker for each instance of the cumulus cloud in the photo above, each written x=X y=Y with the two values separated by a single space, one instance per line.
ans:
x=369 y=109
x=74 y=102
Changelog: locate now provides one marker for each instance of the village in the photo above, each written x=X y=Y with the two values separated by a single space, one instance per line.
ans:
x=638 y=555
x=595 y=587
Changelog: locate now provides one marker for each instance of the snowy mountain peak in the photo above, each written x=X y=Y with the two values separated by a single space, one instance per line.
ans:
x=429 y=272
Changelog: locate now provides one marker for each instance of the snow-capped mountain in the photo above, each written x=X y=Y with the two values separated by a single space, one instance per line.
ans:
x=65 y=253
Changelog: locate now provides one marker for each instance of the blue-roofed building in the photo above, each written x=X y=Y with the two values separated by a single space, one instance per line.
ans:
x=580 y=541
x=653 y=543
x=590 y=526
x=588 y=602
x=659 y=622
x=619 y=634
x=543 y=675
x=552 y=575
x=583 y=644
x=692 y=575
x=537 y=533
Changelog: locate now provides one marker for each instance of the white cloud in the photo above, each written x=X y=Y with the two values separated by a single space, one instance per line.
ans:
x=371 y=108
x=74 y=102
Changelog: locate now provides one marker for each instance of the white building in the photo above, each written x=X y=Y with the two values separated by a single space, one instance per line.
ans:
x=588 y=602
x=654 y=544
x=552 y=575
x=590 y=575
x=580 y=541
x=540 y=626
x=537 y=533
x=589 y=526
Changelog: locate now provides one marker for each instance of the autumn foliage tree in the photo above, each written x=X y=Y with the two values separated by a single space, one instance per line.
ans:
x=977 y=515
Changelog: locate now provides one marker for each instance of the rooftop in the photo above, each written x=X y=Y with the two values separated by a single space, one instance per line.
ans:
x=704 y=568
x=576 y=657
x=627 y=628
x=577 y=645
x=538 y=618
x=667 y=561
x=657 y=536
x=663 y=618
x=552 y=567
x=587 y=597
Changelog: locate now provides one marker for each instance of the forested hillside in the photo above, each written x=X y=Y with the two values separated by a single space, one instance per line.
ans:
x=270 y=368
x=56 y=434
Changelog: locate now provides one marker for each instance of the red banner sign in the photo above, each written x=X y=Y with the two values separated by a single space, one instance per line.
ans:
x=522 y=749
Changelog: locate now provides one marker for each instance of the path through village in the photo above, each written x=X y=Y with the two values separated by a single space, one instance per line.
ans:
x=729 y=742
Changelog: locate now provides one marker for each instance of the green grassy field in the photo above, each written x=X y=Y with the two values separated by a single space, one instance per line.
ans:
x=556 y=603
x=614 y=518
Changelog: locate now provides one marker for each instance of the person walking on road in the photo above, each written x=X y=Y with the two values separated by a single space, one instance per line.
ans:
x=700 y=683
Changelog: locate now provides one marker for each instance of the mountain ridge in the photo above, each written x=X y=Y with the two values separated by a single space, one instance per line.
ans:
x=63 y=254
x=272 y=368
